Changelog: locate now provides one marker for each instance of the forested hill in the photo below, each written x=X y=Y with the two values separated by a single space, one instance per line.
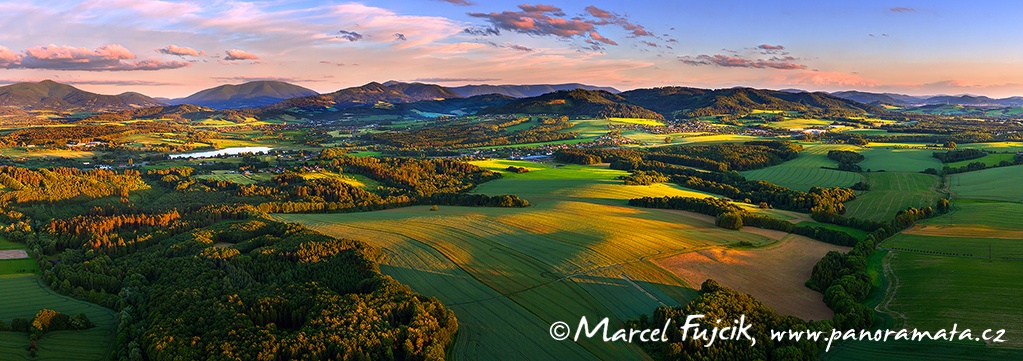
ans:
x=370 y=94
x=681 y=101
x=579 y=102
x=51 y=95
x=251 y=94
x=524 y=91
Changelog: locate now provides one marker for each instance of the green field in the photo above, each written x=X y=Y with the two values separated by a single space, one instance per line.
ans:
x=989 y=160
x=509 y=273
x=891 y=192
x=1001 y=184
x=222 y=175
x=892 y=159
x=5 y=244
x=18 y=266
x=961 y=268
x=805 y=171
x=25 y=296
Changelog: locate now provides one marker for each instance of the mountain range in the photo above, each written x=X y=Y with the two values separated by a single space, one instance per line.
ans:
x=523 y=91
x=910 y=101
x=51 y=95
x=262 y=98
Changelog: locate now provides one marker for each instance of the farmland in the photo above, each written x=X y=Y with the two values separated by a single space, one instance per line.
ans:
x=891 y=192
x=891 y=159
x=26 y=295
x=790 y=259
x=995 y=184
x=805 y=171
x=577 y=247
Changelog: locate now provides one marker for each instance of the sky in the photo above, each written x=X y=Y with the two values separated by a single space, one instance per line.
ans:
x=176 y=48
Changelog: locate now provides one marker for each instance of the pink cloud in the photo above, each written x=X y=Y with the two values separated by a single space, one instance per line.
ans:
x=602 y=39
x=105 y=58
x=178 y=50
x=786 y=63
x=8 y=57
x=237 y=54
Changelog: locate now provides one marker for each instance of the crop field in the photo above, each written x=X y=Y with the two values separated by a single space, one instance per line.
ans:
x=988 y=160
x=891 y=192
x=18 y=266
x=239 y=178
x=975 y=251
x=26 y=296
x=1001 y=184
x=639 y=121
x=805 y=171
x=800 y=123
x=996 y=146
x=509 y=273
x=787 y=262
x=891 y=159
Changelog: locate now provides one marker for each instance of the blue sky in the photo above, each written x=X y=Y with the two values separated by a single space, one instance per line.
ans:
x=174 y=48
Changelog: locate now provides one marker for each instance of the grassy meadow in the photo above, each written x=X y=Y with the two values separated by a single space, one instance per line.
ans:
x=26 y=295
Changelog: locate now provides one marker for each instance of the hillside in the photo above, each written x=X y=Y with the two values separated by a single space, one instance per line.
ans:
x=251 y=94
x=524 y=91
x=591 y=103
x=680 y=101
x=420 y=91
x=368 y=95
x=879 y=98
x=51 y=95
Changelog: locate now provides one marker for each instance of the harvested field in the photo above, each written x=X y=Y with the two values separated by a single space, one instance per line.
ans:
x=773 y=274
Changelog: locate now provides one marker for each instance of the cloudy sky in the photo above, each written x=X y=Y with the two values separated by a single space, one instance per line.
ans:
x=174 y=48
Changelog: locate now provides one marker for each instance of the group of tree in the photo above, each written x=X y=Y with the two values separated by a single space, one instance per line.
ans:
x=719 y=303
x=716 y=157
x=644 y=178
x=731 y=216
x=959 y=155
x=846 y=159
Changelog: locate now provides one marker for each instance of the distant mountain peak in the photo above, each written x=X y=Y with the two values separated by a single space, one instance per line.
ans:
x=250 y=94
x=48 y=94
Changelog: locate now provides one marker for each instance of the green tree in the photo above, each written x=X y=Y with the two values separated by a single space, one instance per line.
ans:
x=729 y=220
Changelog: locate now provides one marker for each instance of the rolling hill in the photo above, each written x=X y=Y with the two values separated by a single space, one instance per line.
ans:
x=524 y=91
x=251 y=94
x=369 y=95
x=681 y=101
x=52 y=95
x=579 y=102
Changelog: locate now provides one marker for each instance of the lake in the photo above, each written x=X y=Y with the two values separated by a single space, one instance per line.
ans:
x=225 y=151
